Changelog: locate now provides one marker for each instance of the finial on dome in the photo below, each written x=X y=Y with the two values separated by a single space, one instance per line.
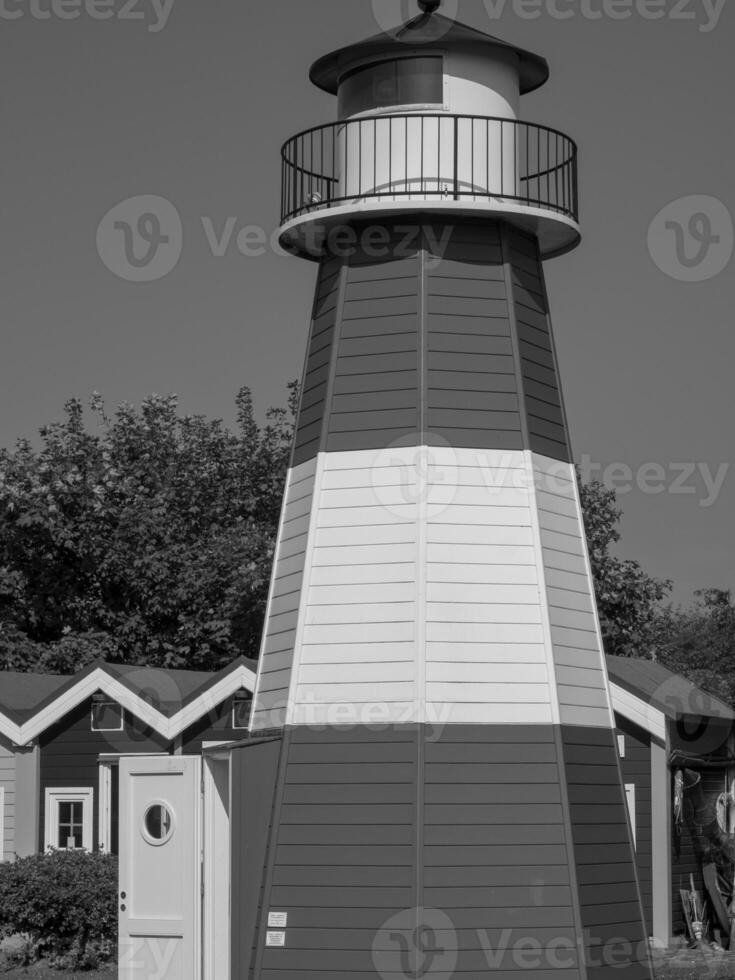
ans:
x=429 y=6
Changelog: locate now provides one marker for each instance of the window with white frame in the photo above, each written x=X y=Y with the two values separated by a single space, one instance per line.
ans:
x=69 y=818
x=630 y=799
x=241 y=705
x=107 y=716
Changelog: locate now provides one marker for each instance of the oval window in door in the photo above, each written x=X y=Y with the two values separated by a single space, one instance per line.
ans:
x=158 y=823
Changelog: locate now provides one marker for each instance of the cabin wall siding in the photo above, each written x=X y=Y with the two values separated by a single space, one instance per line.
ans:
x=636 y=769
x=7 y=784
x=69 y=756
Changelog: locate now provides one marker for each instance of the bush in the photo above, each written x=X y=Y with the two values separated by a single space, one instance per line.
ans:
x=65 y=903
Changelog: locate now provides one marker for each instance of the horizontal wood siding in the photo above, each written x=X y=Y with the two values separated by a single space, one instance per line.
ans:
x=485 y=648
x=254 y=772
x=606 y=874
x=7 y=784
x=358 y=636
x=469 y=820
x=344 y=859
x=315 y=380
x=577 y=645
x=279 y=633
x=70 y=752
x=471 y=391
x=542 y=389
x=495 y=854
x=375 y=400
x=636 y=767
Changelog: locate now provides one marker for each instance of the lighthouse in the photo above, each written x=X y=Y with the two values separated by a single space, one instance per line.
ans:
x=433 y=778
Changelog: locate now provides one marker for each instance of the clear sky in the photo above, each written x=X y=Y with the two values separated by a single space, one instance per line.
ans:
x=191 y=100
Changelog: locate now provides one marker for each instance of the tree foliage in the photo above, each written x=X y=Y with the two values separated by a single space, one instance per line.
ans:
x=628 y=598
x=699 y=642
x=148 y=539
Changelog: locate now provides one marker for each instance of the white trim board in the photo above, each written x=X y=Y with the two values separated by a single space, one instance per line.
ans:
x=100 y=680
x=638 y=711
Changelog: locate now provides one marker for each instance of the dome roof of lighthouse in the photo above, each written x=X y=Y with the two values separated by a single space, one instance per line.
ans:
x=428 y=32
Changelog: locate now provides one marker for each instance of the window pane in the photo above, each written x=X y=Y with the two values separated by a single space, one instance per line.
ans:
x=106 y=716
x=158 y=822
x=71 y=823
x=241 y=713
x=408 y=81
x=114 y=803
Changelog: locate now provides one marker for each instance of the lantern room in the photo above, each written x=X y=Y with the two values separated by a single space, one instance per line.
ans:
x=429 y=119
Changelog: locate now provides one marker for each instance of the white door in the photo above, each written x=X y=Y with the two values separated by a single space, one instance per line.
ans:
x=160 y=868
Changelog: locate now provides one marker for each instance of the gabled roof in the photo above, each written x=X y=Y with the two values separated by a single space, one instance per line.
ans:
x=22 y=694
x=428 y=32
x=169 y=701
x=670 y=693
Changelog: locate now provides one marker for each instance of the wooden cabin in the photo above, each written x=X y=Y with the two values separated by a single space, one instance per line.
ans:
x=63 y=737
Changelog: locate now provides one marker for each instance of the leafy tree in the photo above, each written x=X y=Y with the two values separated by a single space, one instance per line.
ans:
x=147 y=540
x=699 y=642
x=628 y=599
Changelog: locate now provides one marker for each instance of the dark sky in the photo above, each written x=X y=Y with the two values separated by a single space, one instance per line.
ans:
x=191 y=102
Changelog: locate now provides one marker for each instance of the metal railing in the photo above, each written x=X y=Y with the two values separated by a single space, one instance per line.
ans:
x=429 y=157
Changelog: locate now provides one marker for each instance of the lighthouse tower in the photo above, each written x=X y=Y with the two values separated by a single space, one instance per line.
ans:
x=446 y=794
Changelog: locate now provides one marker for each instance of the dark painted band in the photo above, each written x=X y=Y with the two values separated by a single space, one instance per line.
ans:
x=512 y=837
x=432 y=335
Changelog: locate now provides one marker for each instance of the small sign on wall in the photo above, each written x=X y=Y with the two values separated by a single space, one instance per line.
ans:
x=277 y=920
x=275 y=938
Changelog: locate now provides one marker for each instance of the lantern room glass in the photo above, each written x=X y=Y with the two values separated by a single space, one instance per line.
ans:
x=400 y=82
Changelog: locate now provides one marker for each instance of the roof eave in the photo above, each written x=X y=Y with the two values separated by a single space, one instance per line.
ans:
x=327 y=72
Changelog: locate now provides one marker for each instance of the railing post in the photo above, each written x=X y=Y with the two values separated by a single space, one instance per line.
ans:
x=295 y=183
x=456 y=158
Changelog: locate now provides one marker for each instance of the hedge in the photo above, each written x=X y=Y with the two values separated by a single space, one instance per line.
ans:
x=65 y=903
